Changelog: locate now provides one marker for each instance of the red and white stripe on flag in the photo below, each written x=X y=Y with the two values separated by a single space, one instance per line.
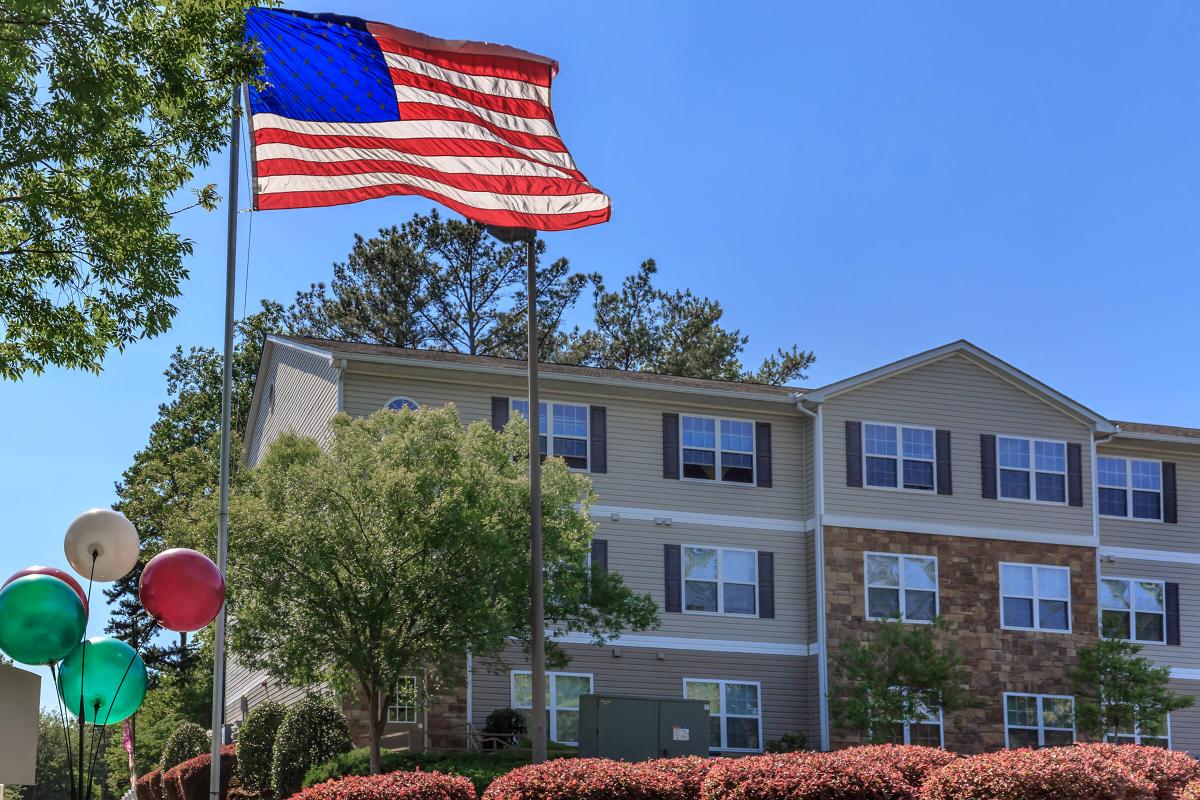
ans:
x=350 y=110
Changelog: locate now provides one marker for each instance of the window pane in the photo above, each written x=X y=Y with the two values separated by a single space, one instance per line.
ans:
x=1054 y=583
x=881 y=471
x=1112 y=502
x=568 y=689
x=1014 y=484
x=926 y=734
x=703 y=690
x=1114 y=594
x=918 y=475
x=1149 y=627
x=1022 y=711
x=737 y=435
x=879 y=440
x=918 y=443
x=522 y=407
x=1050 y=456
x=714 y=732
x=700 y=563
x=883 y=603
x=741 y=733
x=1116 y=624
x=699 y=596
x=699 y=432
x=568 y=726
x=1148 y=596
x=1013 y=453
x=1021 y=737
x=883 y=570
x=737 y=467
x=1051 y=488
x=700 y=464
x=1146 y=474
x=573 y=451
x=919 y=605
x=1058 y=738
x=1052 y=615
x=1057 y=712
x=1016 y=579
x=1110 y=471
x=739 y=565
x=1018 y=612
x=920 y=573
x=739 y=598
x=741 y=698
x=570 y=420
x=522 y=690
x=1145 y=505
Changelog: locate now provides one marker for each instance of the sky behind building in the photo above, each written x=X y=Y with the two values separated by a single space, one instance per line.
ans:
x=866 y=181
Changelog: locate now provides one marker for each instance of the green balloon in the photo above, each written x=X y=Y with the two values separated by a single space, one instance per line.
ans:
x=41 y=619
x=114 y=680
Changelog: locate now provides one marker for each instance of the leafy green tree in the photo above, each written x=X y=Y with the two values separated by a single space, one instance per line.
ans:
x=109 y=108
x=51 y=771
x=898 y=672
x=400 y=545
x=1119 y=692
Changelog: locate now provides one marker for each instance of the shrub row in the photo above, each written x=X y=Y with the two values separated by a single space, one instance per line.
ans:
x=479 y=768
x=149 y=786
x=189 y=780
x=393 y=786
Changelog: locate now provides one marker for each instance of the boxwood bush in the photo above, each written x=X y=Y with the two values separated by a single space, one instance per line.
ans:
x=312 y=731
x=256 y=744
x=187 y=741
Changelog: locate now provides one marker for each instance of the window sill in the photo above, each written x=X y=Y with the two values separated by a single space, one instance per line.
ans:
x=717 y=482
x=1035 y=630
x=1059 y=503
x=736 y=614
x=901 y=489
x=900 y=620
x=1133 y=519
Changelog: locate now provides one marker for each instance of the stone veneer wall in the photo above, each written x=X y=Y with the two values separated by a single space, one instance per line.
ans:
x=441 y=726
x=969 y=598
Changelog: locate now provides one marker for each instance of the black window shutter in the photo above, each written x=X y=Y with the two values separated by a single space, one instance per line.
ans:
x=600 y=554
x=945 y=484
x=1074 y=475
x=499 y=412
x=766 y=585
x=1173 y=613
x=598 y=428
x=762 y=453
x=1170 y=495
x=671 y=447
x=854 y=453
x=987 y=464
x=671 y=574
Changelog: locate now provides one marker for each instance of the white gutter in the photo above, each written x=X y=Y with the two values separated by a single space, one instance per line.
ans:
x=819 y=539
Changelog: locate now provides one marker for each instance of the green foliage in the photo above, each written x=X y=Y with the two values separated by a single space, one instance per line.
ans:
x=256 y=744
x=188 y=740
x=505 y=720
x=894 y=673
x=109 y=108
x=312 y=731
x=400 y=543
x=793 y=742
x=479 y=768
x=1118 y=691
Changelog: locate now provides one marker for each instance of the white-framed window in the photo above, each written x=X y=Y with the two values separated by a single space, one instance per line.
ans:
x=1129 y=488
x=901 y=587
x=1038 y=720
x=1145 y=735
x=400 y=403
x=735 y=712
x=1134 y=609
x=404 y=710
x=1032 y=469
x=714 y=449
x=565 y=426
x=1035 y=597
x=925 y=729
x=898 y=457
x=563 y=690
x=719 y=580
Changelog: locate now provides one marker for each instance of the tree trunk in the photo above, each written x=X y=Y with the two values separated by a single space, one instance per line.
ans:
x=377 y=722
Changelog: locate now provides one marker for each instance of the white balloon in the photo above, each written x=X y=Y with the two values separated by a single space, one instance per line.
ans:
x=107 y=535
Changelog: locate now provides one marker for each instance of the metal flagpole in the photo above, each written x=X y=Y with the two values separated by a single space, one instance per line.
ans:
x=537 y=617
x=218 y=702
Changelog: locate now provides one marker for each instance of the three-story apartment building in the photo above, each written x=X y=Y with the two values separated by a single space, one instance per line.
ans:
x=771 y=525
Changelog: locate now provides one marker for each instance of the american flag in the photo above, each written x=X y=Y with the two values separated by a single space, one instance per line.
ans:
x=352 y=110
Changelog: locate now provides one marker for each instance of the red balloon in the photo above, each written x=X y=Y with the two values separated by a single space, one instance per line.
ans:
x=53 y=572
x=182 y=589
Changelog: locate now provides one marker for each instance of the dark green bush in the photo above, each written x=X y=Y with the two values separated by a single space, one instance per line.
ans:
x=187 y=741
x=313 y=731
x=256 y=744
x=479 y=768
x=788 y=743
x=505 y=720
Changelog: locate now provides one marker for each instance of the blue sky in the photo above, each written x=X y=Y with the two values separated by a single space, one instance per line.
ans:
x=867 y=181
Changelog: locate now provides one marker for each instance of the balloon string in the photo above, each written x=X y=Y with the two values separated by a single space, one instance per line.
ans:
x=95 y=751
x=66 y=728
x=117 y=693
x=82 y=673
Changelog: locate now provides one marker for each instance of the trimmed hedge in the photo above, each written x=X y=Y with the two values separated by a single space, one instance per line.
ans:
x=256 y=744
x=690 y=770
x=1057 y=773
x=586 y=779
x=149 y=786
x=914 y=763
x=1191 y=791
x=1169 y=771
x=806 y=776
x=312 y=731
x=479 y=768
x=187 y=741
x=393 y=786
x=189 y=780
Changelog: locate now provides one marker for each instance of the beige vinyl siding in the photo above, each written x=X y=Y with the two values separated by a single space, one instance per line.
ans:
x=256 y=686
x=1187 y=653
x=955 y=394
x=306 y=398
x=787 y=682
x=635 y=550
x=634 y=478
x=1148 y=535
x=1185 y=724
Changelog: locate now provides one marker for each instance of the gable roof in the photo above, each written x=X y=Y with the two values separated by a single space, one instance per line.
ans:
x=1146 y=430
x=978 y=354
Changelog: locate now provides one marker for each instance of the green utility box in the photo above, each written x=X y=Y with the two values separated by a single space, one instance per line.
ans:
x=637 y=728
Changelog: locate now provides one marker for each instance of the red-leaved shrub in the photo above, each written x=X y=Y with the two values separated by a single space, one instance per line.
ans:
x=1191 y=791
x=392 y=786
x=586 y=779
x=1056 y=773
x=805 y=776
x=189 y=780
x=1168 y=771
x=149 y=786
x=690 y=770
x=913 y=762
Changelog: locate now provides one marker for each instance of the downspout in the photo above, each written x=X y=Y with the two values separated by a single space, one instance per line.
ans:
x=470 y=697
x=819 y=546
x=340 y=369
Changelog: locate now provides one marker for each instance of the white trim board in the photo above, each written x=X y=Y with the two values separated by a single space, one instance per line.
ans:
x=698 y=518
x=950 y=529
x=701 y=645
x=1135 y=554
